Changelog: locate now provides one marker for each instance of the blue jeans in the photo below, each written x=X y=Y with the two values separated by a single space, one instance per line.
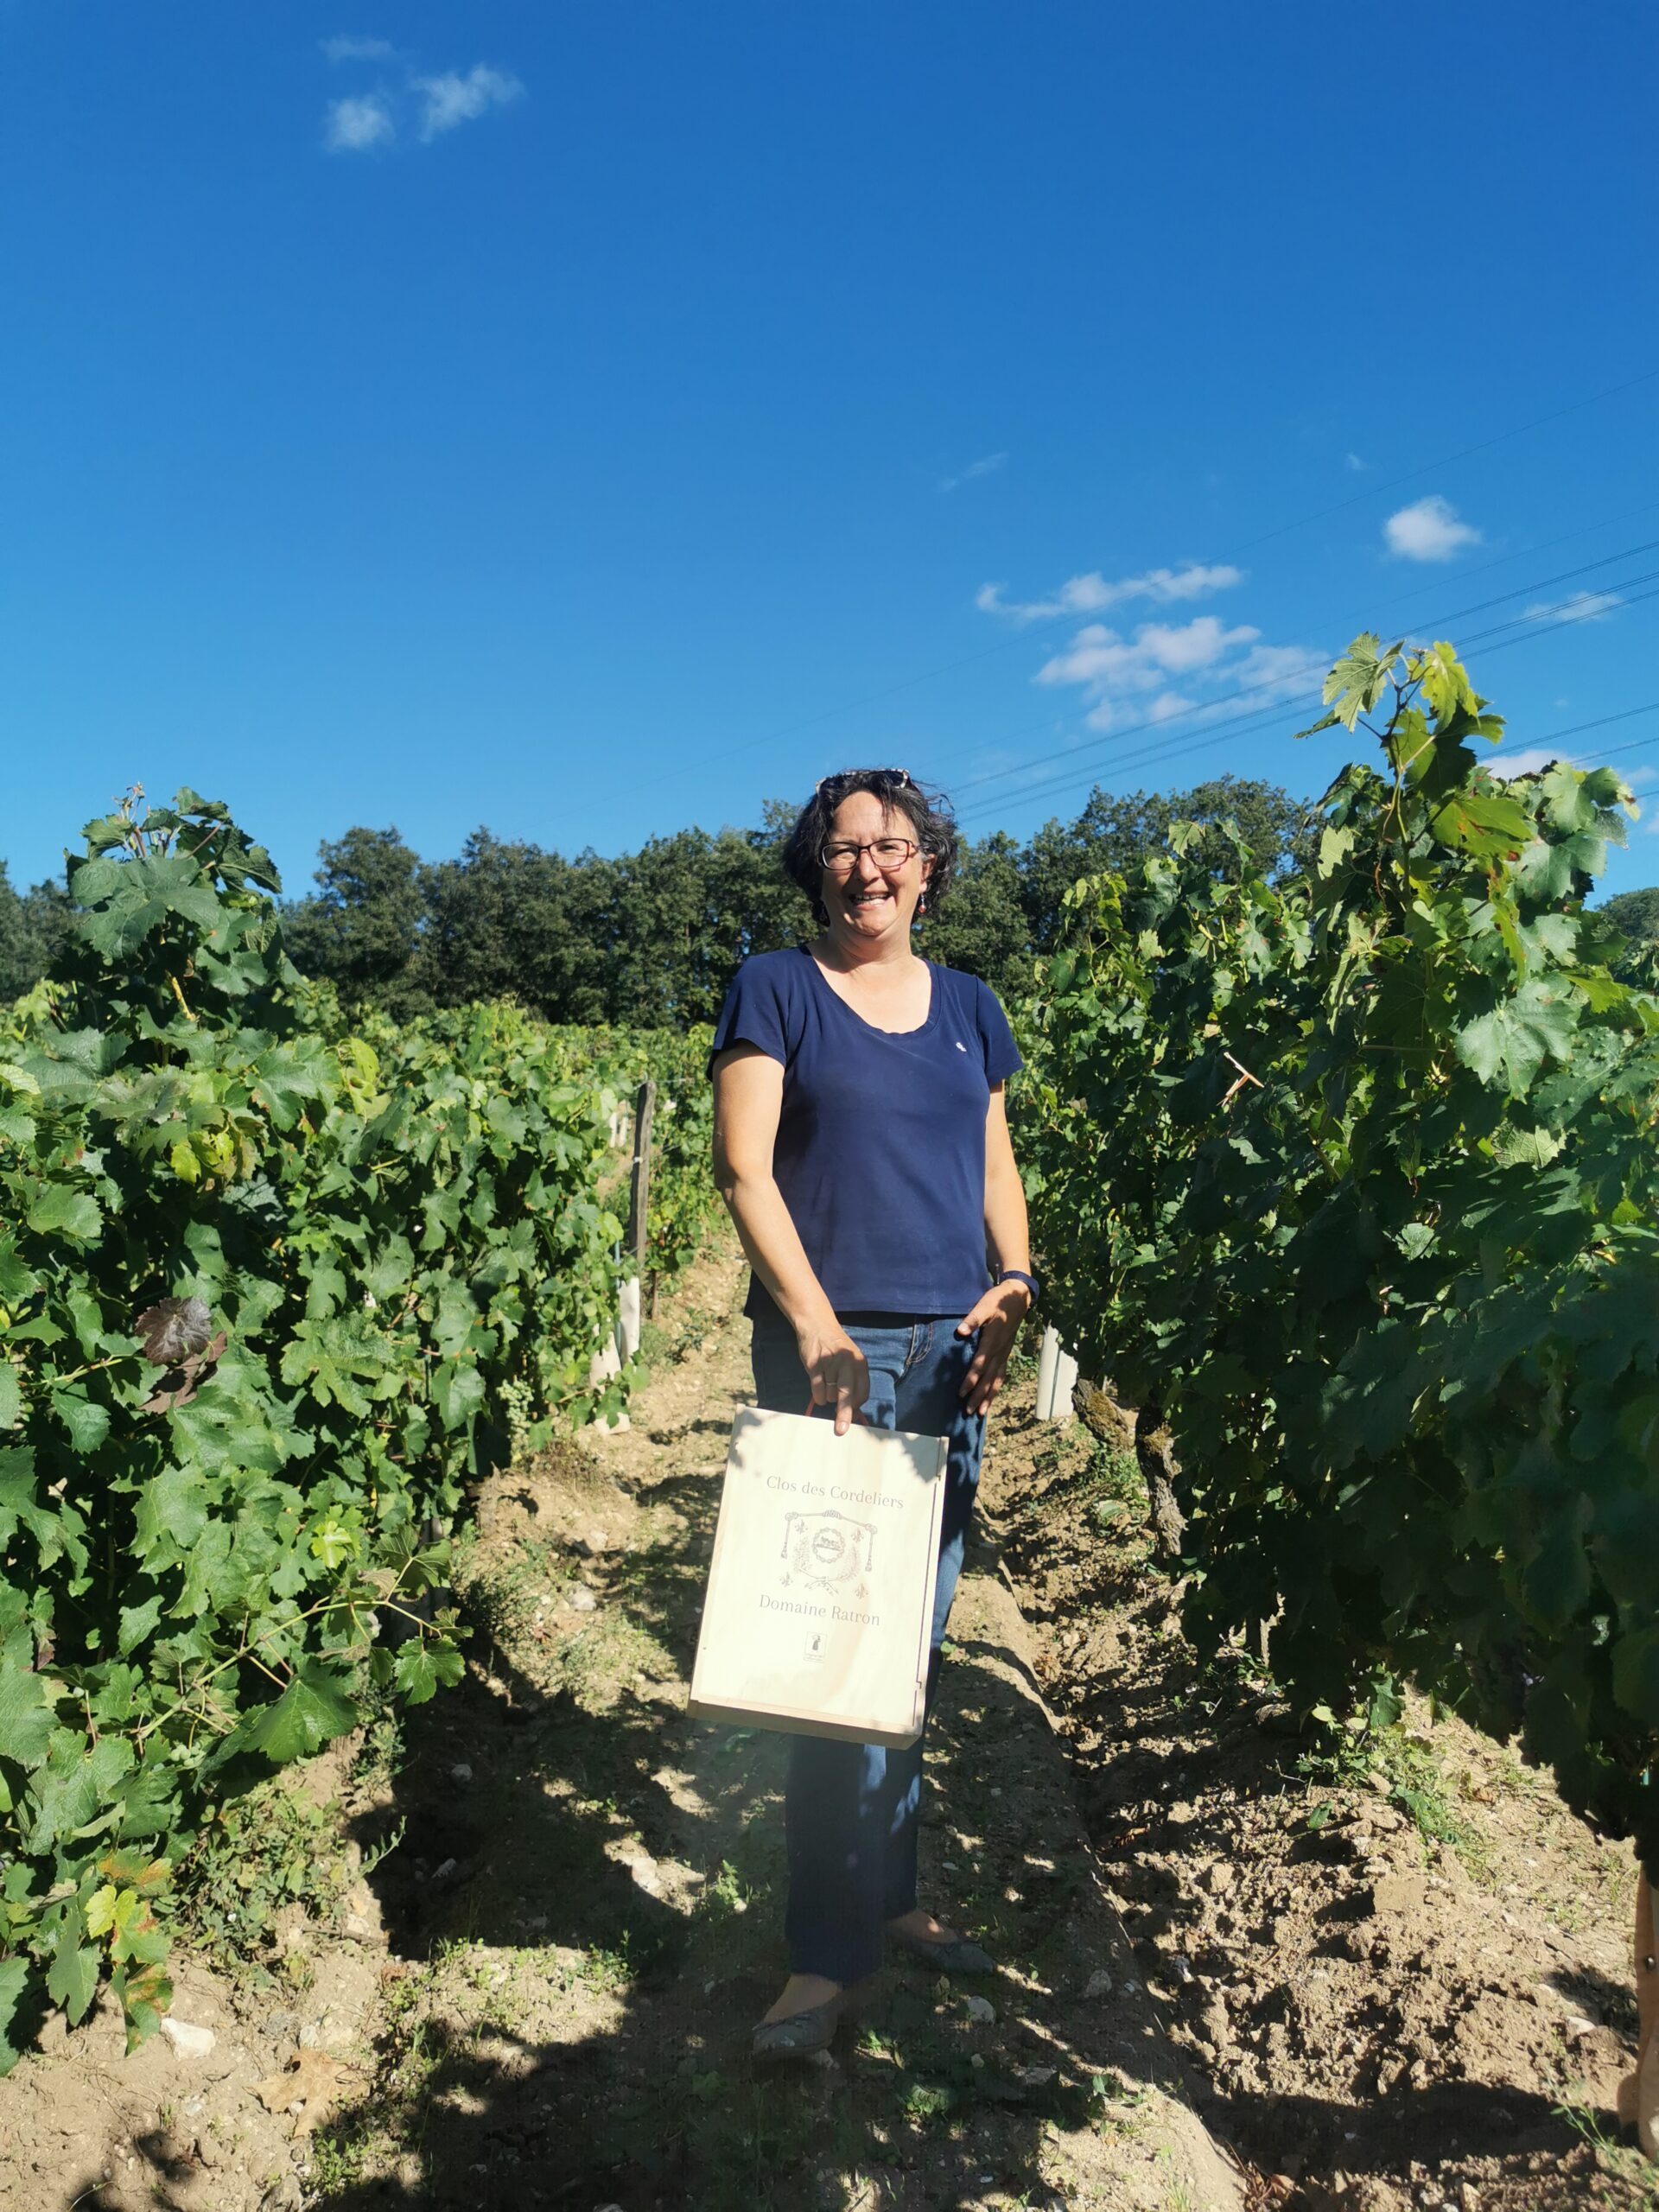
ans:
x=850 y=1810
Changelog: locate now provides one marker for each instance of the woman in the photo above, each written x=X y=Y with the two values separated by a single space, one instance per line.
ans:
x=861 y=1143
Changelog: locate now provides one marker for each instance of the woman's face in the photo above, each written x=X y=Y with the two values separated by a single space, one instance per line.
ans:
x=870 y=901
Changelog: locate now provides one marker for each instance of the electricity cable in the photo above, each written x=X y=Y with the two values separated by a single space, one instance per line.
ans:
x=1447 y=461
x=1002 y=645
x=1440 y=622
x=1147 y=755
x=1576 y=729
x=1443 y=622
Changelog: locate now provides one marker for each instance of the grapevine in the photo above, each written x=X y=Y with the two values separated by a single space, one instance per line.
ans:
x=270 y=1294
x=1354 y=1174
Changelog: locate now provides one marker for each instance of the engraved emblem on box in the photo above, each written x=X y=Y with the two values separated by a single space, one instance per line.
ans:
x=828 y=1552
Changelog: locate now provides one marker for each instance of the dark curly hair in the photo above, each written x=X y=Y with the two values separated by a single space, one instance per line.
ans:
x=928 y=813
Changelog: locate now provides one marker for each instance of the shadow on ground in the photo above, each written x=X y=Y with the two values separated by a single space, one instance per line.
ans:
x=584 y=1929
x=1248 y=1875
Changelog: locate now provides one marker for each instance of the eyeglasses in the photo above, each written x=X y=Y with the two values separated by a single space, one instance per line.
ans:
x=842 y=858
x=901 y=776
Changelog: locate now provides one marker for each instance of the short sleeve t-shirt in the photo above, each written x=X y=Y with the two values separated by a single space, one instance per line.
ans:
x=880 y=1148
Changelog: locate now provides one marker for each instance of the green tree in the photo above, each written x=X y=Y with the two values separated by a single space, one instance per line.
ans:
x=508 y=920
x=982 y=926
x=33 y=927
x=652 y=938
x=362 y=930
x=690 y=907
x=1636 y=912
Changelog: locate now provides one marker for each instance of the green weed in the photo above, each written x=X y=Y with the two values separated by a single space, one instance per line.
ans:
x=1636 y=2181
x=379 y=1758
x=256 y=1856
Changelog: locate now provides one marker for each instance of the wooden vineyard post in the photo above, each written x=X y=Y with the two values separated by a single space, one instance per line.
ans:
x=1638 y=2097
x=638 y=1212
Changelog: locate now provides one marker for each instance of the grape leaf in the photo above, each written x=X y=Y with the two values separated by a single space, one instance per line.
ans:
x=1508 y=1046
x=61 y=1212
x=124 y=900
x=313 y=1710
x=420 y=1667
x=14 y=1979
x=87 y=1423
x=27 y=1720
x=72 y=1980
x=173 y=1330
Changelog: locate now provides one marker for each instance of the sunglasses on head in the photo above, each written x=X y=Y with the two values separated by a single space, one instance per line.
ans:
x=851 y=776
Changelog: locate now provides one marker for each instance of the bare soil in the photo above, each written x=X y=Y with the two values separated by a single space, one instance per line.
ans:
x=541 y=1994
x=1379 y=2015
x=589 y=1923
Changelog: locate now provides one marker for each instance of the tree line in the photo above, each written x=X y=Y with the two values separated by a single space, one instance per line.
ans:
x=652 y=937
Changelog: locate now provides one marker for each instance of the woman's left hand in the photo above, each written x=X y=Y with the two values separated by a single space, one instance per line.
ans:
x=995 y=1321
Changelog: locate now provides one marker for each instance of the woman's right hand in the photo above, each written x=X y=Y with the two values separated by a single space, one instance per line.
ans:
x=837 y=1370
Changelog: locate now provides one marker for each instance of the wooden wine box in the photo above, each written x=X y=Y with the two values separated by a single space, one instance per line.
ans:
x=820 y=1593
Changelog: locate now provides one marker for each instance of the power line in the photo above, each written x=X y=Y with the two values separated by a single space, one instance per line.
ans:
x=1607 y=751
x=1545 y=582
x=1145 y=756
x=1149 y=754
x=704 y=760
x=1275 y=682
x=1216 y=737
x=1527 y=552
x=1464 y=452
x=1570 y=610
x=1576 y=729
x=999 y=775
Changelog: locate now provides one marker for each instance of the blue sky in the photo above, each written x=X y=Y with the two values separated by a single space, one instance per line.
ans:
x=585 y=419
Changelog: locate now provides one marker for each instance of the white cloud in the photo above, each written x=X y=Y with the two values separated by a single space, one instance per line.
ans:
x=1212 y=661
x=1533 y=758
x=1583 y=606
x=352 y=126
x=1358 y=465
x=1527 y=762
x=452 y=98
x=1428 y=530
x=357 y=49
x=1093 y=594
x=442 y=102
x=1281 y=671
x=1115 y=671
x=989 y=467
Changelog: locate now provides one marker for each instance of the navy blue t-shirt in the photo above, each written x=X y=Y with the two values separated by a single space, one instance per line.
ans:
x=880 y=1148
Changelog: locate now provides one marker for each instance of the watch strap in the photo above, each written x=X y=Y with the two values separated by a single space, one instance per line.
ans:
x=1019 y=1274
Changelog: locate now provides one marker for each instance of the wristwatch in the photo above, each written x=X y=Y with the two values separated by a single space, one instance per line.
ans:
x=1019 y=1274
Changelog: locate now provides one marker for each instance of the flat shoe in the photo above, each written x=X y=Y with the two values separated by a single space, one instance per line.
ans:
x=800 y=2034
x=958 y=1956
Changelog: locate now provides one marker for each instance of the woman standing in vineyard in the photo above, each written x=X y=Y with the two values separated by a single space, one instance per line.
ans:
x=861 y=1144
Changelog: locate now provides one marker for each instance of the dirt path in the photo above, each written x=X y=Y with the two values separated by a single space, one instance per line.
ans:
x=583 y=1916
x=1386 y=1989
